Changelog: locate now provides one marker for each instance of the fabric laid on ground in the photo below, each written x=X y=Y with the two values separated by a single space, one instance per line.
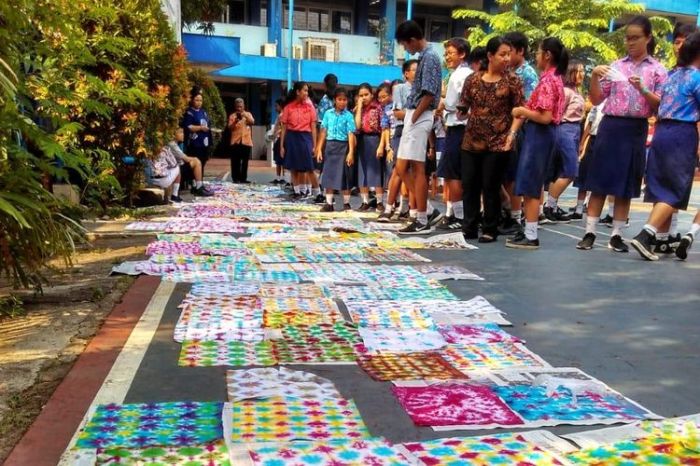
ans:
x=285 y=419
x=203 y=225
x=473 y=334
x=228 y=353
x=490 y=356
x=215 y=453
x=338 y=342
x=375 y=293
x=408 y=366
x=153 y=424
x=269 y=382
x=446 y=272
x=146 y=226
x=369 y=452
x=282 y=312
x=301 y=290
x=216 y=290
x=390 y=340
x=387 y=314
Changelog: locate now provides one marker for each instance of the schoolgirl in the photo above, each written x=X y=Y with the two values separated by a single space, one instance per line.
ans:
x=590 y=131
x=384 y=97
x=543 y=112
x=196 y=124
x=370 y=122
x=631 y=86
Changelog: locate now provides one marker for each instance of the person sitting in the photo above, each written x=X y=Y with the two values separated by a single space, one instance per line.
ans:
x=165 y=173
x=192 y=163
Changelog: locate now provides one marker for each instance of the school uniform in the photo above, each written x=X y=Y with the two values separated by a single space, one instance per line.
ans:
x=673 y=154
x=371 y=168
x=538 y=139
x=197 y=142
x=595 y=116
x=298 y=118
x=568 y=136
x=398 y=102
x=450 y=164
x=337 y=126
x=616 y=165
x=529 y=78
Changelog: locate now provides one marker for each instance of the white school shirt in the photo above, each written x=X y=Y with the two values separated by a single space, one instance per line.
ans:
x=594 y=118
x=453 y=94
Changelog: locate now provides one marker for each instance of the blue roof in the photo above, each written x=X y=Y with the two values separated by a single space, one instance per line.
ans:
x=212 y=50
x=680 y=7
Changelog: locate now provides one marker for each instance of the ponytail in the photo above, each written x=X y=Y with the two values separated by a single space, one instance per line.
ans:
x=560 y=56
x=644 y=23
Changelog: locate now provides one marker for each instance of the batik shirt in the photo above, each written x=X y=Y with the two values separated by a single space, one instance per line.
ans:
x=428 y=79
x=623 y=99
x=338 y=125
x=324 y=105
x=196 y=117
x=528 y=76
x=374 y=119
x=399 y=98
x=680 y=96
x=549 y=96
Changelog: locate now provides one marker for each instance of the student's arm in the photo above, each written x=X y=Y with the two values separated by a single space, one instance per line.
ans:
x=283 y=132
x=358 y=114
x=314 y=133
x=597 y=93
x=431 y=145
x=319 y=146
x=514 y=128
x=352 y=143
x=386 y=144
x=423 y=105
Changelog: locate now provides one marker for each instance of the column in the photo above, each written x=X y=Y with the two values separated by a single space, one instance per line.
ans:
x=389 y=15
x=361 y=18
x=274 y=92
x=253 y=13
x=274 y=24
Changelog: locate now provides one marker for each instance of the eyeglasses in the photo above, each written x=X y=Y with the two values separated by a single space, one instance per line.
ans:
x=633 y=38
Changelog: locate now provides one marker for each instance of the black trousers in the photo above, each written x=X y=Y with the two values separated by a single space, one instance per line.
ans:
x=240 y=154
x=482 y=174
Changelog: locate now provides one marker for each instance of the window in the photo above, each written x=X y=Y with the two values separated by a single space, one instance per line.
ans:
x=234 y=12
x=263 y=14
x=319 y=20
x=342 y=22
x=374 y=25
x=439 y=30
x=300 y=18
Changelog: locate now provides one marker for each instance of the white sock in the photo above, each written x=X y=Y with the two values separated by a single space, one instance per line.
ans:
x=422 y=217
x=430 y=207
x=652 y=230
x=346 y=198
x=694 y=229
x=551 y=201
x=307 y=189
x=674 y=224
x=458 y=208
x=198 y=184
x=412 y=213
x=329 y=199
x=541 y=209
x=662 y=236
x=315 y=191
x=591 y=223
x=449 y=210
x=516 y=215
x=531 y=230
x=579 y=206
x=618 y=225
x=297 y=189
x=176 y=189
x=403 y=204
x=611 y=209
x=388 y=208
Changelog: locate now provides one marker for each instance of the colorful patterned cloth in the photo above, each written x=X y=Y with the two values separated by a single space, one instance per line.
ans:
x=473 y=334
x=210 y=454
x=408 y=366
x=270 y=382
x=490 y=356
x=401 y=340
x=230 y=353
x=284 y=419
x=322 y=343
x=388 y=314
x=282 y=312
x=155 y=424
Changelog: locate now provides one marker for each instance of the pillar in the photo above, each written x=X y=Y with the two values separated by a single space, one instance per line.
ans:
x=253 y=13
x=274 y=92
x=274 y=24
x=361 y=19
x=389 y=15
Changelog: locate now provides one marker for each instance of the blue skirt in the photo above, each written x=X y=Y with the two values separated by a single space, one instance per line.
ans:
x=450 y=166
x=389 y=166
x=583 y=163
x=671 y=163
x=568 y=139
x=276 y=156
x=371 y=174
x=333 y=176
x=616 y=165
x=535 y=158
x=298 y=148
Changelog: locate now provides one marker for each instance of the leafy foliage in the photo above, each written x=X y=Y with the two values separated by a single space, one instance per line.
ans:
x=202 y=13
x=582 y=26
x=211 y=97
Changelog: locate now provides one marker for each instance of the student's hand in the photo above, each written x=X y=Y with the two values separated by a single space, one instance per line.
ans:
x=414 y=117
x=319 y=155
x=380 y=152
x=510 y=142
x=390 y=155
x=431 y=153
x=349 y=159
x=519 y=112
x=636 y=82
x=601 y=71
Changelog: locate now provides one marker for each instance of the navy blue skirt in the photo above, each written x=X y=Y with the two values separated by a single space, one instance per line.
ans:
x=389 y=166
x=535 y=158
x=276 y=156
x=583 y=163
x=450 y=166
x=333 y=176
x=568 y=139
x=616 y=165
x=671 y=163
x=298 y=151
x=371 y=174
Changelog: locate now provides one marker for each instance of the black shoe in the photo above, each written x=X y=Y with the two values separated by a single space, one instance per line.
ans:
x=674 y=241
x=364 y=207
x=557 y=215
x=403 y=216
x=486 y=238
x=587 y=242
x=644 y=244
x=510 y=227
x=245 y=182
x=176 y=199
x=385 y=217
x=327 y=208
x=543 y=220
x=201 y=192
x=617 y=245
x=664 y=247
x=434 y=217
x=295 y=196
x=347 y=207
x=373 y=202
x=470 y=234
x=319 y=199
x=607 y=221
x=685 y=244
x=520 y=241
x=379 y=207
x=575 y=215
x=415 y=228
x=444 y=224
x=275 y=181
x=354 y=192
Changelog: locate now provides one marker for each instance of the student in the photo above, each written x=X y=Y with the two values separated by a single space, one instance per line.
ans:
x=673 y=155
x=298 y=136
x=196 y=125
x=384 y=94
x=489 y=97
x=450 y=164
x=394 y=185
x=338 y=134
x=421 y=102
x=274 y=136
x=529 y=77
x=191 y=163
x=616 y=167
x=477 y=59
x=370 y=122
x=567 y=141
x=543 y=111
x=590 y=130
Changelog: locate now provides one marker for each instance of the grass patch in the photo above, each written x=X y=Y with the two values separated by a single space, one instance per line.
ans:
x=10 y=307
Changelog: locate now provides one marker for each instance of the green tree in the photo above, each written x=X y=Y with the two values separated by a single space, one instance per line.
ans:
x=211 y=96
x=582 y=26
x=201 y=14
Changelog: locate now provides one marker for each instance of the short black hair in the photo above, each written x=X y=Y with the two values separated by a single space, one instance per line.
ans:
x=683 y=30
x=407 y=65
x=519 y=41
x=478 y=55
x=460 y=44
x=690 y=51
x=408 y=30
x=339 y=91
x=279 y=102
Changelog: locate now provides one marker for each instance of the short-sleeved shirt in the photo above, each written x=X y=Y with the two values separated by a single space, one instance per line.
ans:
x=528 y=76
x=680 y=95
x=373 y=119
x=299 y=116
x=338 y=124
x=548 y=95
x=490 y=106
x=623 y=100
x=428 y=79
x=324 y=105
x=454 y=89
x=399 y=98
x=241 y=133
x=574 y=106
x=196 y=117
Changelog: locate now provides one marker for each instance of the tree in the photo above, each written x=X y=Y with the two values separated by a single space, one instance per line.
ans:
x=582 y=26
x=202 y=13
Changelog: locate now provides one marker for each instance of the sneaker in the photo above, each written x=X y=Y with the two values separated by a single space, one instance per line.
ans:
x=685 y=244
x=434 y=217
x=347 y=207
x=275 y=181
x=617 y=245
x=663 y=247
x=403 y=216
x=201 y=192
x=674 y=241
x=586 y=243
x=319 y=199
x=175 y=199
x=543 y=220
x=373 y=202
x=520 y=241
x=557 y=215
x=415 y=228
x=510 y=226
x=470 y=235
x=575 y=215
x=295 y=196
x=644 y=244
x=379 y=207
x=364 y=207
x=450 y=223
x=385 y=217
x=327 y=208
x=607 y=221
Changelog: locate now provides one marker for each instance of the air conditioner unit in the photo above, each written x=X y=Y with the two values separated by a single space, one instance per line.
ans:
x=321 y=49
x=268 y=50
x=298 y=52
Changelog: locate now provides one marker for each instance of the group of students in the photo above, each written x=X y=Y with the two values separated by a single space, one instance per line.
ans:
x=500 y=134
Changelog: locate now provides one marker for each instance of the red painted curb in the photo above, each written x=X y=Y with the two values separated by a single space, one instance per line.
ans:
x=49 y=435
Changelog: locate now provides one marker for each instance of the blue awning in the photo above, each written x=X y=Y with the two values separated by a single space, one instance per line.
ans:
x=215 y=51
x=679 y=7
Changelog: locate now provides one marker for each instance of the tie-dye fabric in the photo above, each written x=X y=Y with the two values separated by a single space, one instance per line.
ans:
x=269 y=382
x=490 y=356
x=210 y=454
x=401 y=340
x=475 y=334
x=409 y=366
x=227 y=353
